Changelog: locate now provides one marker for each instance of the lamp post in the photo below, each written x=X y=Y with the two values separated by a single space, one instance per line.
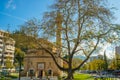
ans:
x=19 y=56
x=20 y=64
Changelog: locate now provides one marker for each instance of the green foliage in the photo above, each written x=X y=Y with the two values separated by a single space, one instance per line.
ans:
x=13 y=76
x=30 y=28
x=106 y=62
x=19 y=54
x=82 y=77
x=76 y=62
x=96 y=64
x=113 y=64
x=23 y=41
x=8 y=64
x=4 y=78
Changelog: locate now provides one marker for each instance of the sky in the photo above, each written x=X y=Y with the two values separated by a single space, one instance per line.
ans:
x=16 y=12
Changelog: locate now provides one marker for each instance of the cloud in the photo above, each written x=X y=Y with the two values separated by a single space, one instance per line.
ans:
x=15 y=17
x=11 y=5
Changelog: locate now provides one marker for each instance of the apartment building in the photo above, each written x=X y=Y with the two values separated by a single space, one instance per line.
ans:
x=117 y=52
x=6 y=48
x=117 y=56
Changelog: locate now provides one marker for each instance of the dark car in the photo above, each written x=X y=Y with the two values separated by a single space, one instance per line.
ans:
x=92 y=72
x=116 y=72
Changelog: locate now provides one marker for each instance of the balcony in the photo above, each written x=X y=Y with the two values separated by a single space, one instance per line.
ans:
x=1 y=40
x=0 y=55
x=10 y=60
x=10 y=48
x=8 y=55
x=9 y=51
x=1 y=50
x=1 y=45
x=1 y=35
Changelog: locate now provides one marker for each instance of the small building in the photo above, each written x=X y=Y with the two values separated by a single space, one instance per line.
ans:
x=41 y=63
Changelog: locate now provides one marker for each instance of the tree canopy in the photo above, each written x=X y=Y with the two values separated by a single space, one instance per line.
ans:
x=81 y=25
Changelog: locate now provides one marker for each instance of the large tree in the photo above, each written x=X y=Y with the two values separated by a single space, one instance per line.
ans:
x=78 y=26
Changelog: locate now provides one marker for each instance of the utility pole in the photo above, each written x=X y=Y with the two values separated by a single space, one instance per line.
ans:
x=20 y=60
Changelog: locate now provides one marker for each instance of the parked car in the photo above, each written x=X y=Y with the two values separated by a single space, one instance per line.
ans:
x=92 y=72
x=103 y=72
x=116 y=72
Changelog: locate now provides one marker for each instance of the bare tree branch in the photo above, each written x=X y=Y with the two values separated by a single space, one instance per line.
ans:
x=88 y=55
x=52 y=55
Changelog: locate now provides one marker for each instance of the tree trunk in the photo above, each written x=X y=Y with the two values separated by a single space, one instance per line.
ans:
x=70 y=76
x=20 y=64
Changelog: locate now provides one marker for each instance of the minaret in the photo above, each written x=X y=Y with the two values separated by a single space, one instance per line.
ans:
x=58 y=31
x=58 y=39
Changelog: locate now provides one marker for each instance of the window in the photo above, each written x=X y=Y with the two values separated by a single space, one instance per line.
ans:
x=41 y=66
x=49 y=72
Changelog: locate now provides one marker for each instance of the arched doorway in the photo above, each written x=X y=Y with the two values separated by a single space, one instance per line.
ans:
x=41 y=67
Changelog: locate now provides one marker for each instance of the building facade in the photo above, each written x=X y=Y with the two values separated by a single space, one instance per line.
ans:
x=117 y=57
x=42 y=63
x=6 y=49
x=117 y=52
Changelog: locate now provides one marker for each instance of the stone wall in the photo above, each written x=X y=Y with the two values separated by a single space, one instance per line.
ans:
x=41 y=60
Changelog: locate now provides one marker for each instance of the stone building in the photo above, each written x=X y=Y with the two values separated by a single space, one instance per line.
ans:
x=41 y=63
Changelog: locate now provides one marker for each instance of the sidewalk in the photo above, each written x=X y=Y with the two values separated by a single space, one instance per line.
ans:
x=34 y=78
x=27 y=78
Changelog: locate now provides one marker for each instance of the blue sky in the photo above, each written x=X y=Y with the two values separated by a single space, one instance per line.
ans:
x=16 y=12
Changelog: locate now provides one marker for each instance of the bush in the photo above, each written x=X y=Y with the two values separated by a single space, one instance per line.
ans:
x=4 y=78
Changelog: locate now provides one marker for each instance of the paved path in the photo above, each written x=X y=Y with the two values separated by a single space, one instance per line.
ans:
x=28 y=78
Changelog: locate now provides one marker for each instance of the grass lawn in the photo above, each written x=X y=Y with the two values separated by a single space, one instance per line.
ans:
x=83 y=77
x=78 y=76
x=11 y=76
x=14 y=75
